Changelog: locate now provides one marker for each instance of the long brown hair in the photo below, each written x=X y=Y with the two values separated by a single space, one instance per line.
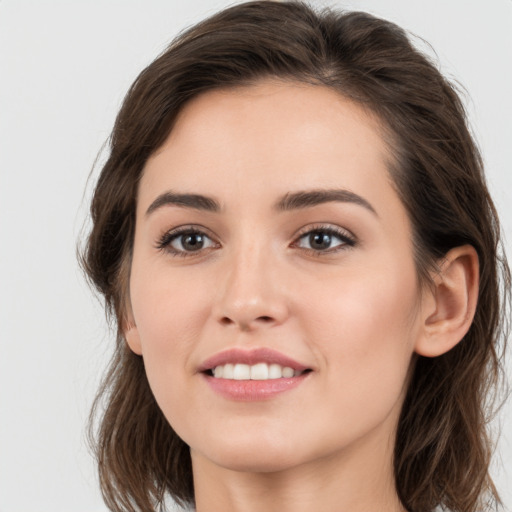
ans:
x=442 y=449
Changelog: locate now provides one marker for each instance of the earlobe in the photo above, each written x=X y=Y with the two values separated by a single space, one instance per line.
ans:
x=450 y=306
x=131 y=335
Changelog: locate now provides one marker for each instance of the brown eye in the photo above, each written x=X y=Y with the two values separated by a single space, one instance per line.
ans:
x=185 y=242
x=189 y=242
x=319 y=240
x=324 y=240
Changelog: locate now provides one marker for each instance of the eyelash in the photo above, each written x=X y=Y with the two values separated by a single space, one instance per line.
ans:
x=164 y=243
x=346 y=238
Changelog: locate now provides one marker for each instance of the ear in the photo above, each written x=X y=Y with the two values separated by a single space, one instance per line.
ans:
x=449 y=306
x=131 y=333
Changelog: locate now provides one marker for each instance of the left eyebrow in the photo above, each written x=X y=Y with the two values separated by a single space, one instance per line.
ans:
x=308 y=198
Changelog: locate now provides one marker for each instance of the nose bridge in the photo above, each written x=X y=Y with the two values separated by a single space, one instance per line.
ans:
x=251 y=294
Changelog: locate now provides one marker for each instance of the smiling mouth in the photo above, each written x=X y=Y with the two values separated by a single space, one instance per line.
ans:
x=258 y=371
x=253 y=375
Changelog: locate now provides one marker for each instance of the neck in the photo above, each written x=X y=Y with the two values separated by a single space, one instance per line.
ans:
x=339 y=482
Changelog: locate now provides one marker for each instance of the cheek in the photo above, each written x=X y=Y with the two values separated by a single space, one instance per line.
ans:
x=165 y=304
x=365 y=330
x=168 y=328
x=168 y=314
x=364 y=339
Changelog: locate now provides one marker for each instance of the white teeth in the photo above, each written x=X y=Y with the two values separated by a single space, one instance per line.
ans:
x=242 y=372
x=259 y=371
x=227 y=372
x=288 y=372
x=275 y=371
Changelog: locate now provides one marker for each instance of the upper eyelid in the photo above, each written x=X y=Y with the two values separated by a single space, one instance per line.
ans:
x=164 y=240
x=189 y=228
x=333 y=228
x=348 y=239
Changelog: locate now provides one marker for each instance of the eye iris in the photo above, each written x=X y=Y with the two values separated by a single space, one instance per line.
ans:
x=192 y=241
x=320 y=240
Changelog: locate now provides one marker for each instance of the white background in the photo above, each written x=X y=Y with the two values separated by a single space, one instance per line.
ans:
x=64 y=68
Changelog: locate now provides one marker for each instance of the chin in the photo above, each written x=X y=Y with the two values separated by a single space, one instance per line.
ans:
x=257 y=462
x=252 y=456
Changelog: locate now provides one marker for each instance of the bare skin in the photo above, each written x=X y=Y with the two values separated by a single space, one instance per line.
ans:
x=358 y=485
x=327 y=279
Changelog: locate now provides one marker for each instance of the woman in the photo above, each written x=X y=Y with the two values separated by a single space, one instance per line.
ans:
x=295 y=236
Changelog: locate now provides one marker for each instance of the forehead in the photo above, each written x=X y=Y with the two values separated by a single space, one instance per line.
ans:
x=248 y=144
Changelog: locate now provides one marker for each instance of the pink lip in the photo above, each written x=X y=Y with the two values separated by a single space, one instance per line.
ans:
x=254 y=356
x=251 y=390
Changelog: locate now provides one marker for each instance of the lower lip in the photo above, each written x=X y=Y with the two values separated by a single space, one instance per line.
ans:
x=253 y=390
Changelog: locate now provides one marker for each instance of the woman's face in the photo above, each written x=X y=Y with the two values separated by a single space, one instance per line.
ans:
x=269 y=236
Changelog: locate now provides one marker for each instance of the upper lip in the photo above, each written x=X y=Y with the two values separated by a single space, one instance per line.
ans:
x=250 y=357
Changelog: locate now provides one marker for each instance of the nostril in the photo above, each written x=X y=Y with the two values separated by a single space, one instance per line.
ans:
x=264 y=319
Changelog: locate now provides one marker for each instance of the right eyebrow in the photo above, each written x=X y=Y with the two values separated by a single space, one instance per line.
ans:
x=195 y=201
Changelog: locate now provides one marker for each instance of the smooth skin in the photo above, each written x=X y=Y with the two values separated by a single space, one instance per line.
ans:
x=253 y=274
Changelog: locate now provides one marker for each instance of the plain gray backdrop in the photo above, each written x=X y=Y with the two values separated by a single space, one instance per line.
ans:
x=64 y=69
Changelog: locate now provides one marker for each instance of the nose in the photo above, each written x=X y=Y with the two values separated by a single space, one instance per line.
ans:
x=252 y=291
